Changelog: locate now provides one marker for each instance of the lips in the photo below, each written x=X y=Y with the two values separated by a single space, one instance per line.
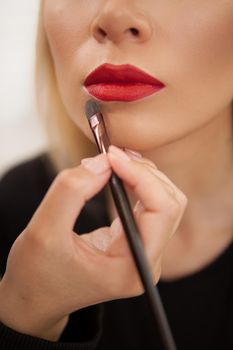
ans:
x=121 y=83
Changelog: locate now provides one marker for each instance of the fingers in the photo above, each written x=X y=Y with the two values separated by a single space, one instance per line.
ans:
x=161 y=203
x=99 y=239
x=154 y=169
x=68 y=193
x=144 y=179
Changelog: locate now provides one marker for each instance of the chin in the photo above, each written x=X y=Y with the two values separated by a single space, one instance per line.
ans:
x=134 y=143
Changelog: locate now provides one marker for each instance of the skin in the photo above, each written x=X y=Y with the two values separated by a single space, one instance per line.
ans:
x=189 y=48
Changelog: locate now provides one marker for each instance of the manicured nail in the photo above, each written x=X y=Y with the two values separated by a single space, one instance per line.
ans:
x=96 y=165
x=118 y=153
x=133 y=154
x=139 y=208
x=116 y=227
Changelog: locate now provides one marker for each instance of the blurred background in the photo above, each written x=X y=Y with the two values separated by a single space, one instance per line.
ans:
x=21 y=135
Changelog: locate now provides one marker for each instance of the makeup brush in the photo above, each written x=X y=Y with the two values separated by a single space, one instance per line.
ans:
x=96 y=122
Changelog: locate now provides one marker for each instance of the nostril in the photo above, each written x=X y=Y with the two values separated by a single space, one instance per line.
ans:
x=134 y=31
x=101 y=32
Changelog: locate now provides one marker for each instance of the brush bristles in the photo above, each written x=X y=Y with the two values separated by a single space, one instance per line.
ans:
x=92 y=108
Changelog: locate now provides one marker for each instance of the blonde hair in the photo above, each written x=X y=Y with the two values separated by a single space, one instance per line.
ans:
x=67 y=144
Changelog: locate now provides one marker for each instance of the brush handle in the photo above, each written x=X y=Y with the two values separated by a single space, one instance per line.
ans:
x=135 y=243
x=132 y=234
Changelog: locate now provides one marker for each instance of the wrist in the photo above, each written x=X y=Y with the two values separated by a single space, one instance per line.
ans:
x=29 y=318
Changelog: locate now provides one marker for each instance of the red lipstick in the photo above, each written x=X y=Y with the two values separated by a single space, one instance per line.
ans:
x=121 y=83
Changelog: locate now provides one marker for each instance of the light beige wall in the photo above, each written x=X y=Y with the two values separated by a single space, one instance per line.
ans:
x=20 y=132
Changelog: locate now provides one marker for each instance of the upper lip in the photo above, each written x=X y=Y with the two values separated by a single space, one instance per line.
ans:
x=109 y=73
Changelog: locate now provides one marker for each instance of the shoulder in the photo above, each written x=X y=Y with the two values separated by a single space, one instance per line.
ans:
x=28 y=172
x=31 y=176
x=22 y=188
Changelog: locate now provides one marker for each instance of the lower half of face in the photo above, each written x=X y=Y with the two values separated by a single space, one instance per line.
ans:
x=192 y=56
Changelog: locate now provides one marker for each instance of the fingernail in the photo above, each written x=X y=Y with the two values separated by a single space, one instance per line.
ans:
x=139 y=208
x=116 y=227
x=133 y=154
x=118 y=153
x=96 y=165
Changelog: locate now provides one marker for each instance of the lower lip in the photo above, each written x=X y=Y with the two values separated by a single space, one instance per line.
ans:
x=122 y=92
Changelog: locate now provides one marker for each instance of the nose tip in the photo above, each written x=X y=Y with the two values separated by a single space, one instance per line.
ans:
x=119 y=24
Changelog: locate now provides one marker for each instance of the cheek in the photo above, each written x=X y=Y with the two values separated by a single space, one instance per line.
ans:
x=205 y=43
x=66 y=23
x=59 y=40
x=66 y=30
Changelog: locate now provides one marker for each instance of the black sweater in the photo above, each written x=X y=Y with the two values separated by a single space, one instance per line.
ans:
x=199 y=306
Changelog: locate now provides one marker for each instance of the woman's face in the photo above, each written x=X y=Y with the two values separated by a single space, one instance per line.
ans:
x=187 y=45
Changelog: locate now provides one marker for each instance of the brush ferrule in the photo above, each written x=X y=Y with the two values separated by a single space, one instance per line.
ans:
x=94 y=121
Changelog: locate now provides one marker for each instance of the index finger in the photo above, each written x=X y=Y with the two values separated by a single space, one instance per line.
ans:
x=144 y=183
x=67 y=195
